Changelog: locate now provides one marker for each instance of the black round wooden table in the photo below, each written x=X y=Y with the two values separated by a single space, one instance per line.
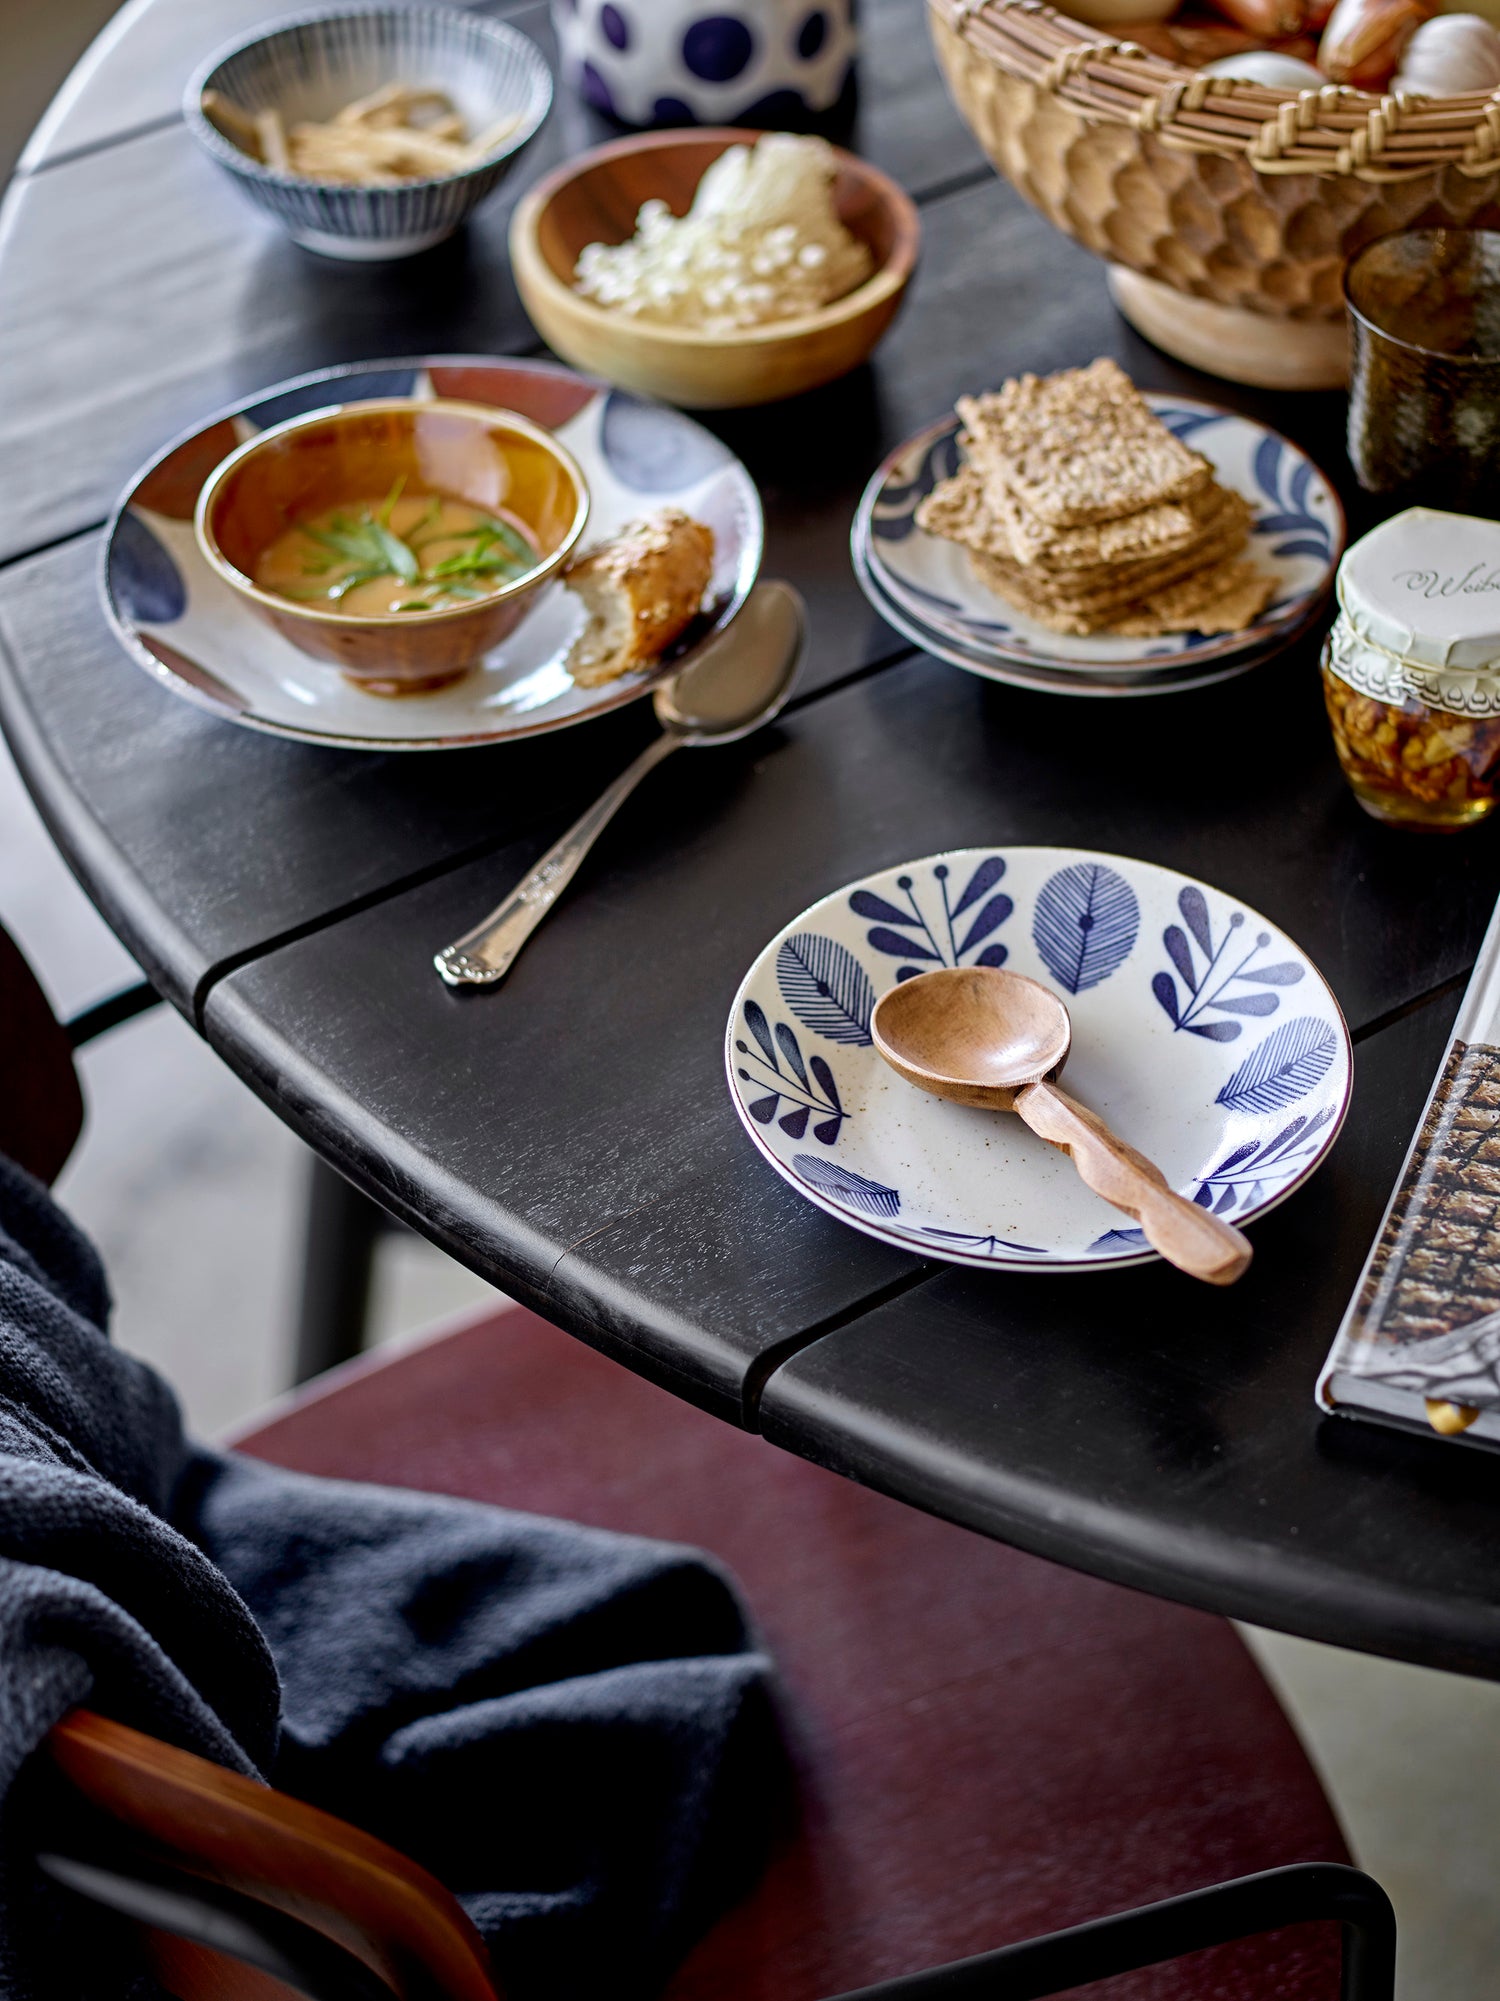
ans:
x=569 y=1135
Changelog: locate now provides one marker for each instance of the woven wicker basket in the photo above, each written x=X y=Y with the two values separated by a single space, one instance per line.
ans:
x=1207 y=186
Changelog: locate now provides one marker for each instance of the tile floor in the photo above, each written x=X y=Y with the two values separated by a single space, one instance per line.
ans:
x=199 y=1225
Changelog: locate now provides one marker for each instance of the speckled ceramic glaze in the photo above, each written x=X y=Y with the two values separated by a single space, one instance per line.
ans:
x=691 y=62
x=1201 y=1034
x=182 y=622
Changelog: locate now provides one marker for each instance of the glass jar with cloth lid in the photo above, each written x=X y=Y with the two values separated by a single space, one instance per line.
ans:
x=1411 y=670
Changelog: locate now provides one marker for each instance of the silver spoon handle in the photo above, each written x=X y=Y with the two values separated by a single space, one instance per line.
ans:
x=487 y=953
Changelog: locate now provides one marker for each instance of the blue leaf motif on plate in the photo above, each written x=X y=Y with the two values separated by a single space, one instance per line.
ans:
x=330 y=387
x=1210 y=991
x=1085 y=924
x=927 y=940
x=1284 y=478
x=1183 y=423
x=844 y=1186
x=145 y=582
x=1258 y=1169
x=826 y=987
x=894 y=515
x=805 y=1088
x=1283 y=1068
x=652 y=449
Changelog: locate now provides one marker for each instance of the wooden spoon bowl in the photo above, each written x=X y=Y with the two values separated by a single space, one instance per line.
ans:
x=596 y=198
x=996 y=1040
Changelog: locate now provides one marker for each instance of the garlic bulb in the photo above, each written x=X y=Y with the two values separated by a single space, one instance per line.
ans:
x=1276 y=72
x=1449 y=56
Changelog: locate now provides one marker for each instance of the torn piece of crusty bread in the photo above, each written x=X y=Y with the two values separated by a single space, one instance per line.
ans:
x=640 y=590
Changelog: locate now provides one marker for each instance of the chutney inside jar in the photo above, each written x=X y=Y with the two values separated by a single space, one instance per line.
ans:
x=1410 y=763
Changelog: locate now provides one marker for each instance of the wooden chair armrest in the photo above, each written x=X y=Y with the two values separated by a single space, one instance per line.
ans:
x=319 y=1871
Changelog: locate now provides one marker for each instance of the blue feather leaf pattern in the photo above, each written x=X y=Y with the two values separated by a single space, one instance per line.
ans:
x=1286 y=974
x=844 y=1186
x=981 y=882
x=759 y=1027
x=803 y=1095
x=865 y=903
x=902 y=948
x=791 y=1049
x=1283 y=1068
x=990 y=918
x=1214 y=1031
x=1166 y=993
x=1085 y=924
x=827 y=988
x=1248 y=1003
x=1194 y=907
x=1180 y=953
x=824 y=1078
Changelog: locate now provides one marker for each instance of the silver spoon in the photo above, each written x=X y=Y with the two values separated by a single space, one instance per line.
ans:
x=737 y=682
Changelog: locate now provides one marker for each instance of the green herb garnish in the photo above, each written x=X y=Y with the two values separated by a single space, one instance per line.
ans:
x=383 y=513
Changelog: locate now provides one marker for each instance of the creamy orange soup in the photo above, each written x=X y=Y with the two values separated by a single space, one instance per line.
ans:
x=406 y=552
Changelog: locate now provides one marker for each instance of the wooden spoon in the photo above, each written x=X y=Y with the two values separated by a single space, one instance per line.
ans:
x=995 y=1039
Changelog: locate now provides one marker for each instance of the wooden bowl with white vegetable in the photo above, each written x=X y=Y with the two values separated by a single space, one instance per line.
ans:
x=640 y=318
x=371 y=133
x=1228 y=205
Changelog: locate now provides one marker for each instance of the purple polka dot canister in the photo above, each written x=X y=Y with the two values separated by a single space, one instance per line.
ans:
x=694 y=62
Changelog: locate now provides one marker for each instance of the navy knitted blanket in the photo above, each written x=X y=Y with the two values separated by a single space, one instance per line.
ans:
x=571 y=1729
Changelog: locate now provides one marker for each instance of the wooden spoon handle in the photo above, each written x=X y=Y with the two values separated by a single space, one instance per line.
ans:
x=1186 y=1235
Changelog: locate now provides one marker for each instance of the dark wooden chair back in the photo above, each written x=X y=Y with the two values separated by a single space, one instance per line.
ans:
x=206 y=1851
x=41 y=1104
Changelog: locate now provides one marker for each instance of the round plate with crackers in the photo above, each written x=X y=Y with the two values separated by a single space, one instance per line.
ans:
x=1211 y=562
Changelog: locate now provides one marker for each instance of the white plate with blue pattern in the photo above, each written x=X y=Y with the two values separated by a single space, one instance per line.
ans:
x=1201 y=1033
x=194 y=635
x=1298 y=535
x=1172 y=678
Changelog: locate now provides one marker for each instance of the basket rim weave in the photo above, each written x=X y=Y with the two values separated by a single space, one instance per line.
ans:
x=1335 y=130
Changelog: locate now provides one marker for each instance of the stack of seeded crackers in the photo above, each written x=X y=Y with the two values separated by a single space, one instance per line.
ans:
x=1079 y=507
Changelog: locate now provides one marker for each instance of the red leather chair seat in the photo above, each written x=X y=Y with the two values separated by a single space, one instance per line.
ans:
x=990 y=1747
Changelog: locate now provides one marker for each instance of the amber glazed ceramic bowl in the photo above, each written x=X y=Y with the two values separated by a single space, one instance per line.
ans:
x=596 y=199
x=490 y=458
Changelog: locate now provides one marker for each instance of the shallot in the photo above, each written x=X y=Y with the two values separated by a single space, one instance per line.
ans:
x=1364 y=40
x=1450 y=56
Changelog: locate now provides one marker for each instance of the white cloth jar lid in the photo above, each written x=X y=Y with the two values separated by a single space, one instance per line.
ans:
x=1425 y=586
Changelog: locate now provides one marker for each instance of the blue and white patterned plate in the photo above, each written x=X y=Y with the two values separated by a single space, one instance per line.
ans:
x=1201 y=1034
x=1171 y=677
x=186 y=627
x=1299 y=535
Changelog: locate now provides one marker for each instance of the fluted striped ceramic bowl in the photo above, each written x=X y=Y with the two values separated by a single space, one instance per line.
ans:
x=310 y=66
